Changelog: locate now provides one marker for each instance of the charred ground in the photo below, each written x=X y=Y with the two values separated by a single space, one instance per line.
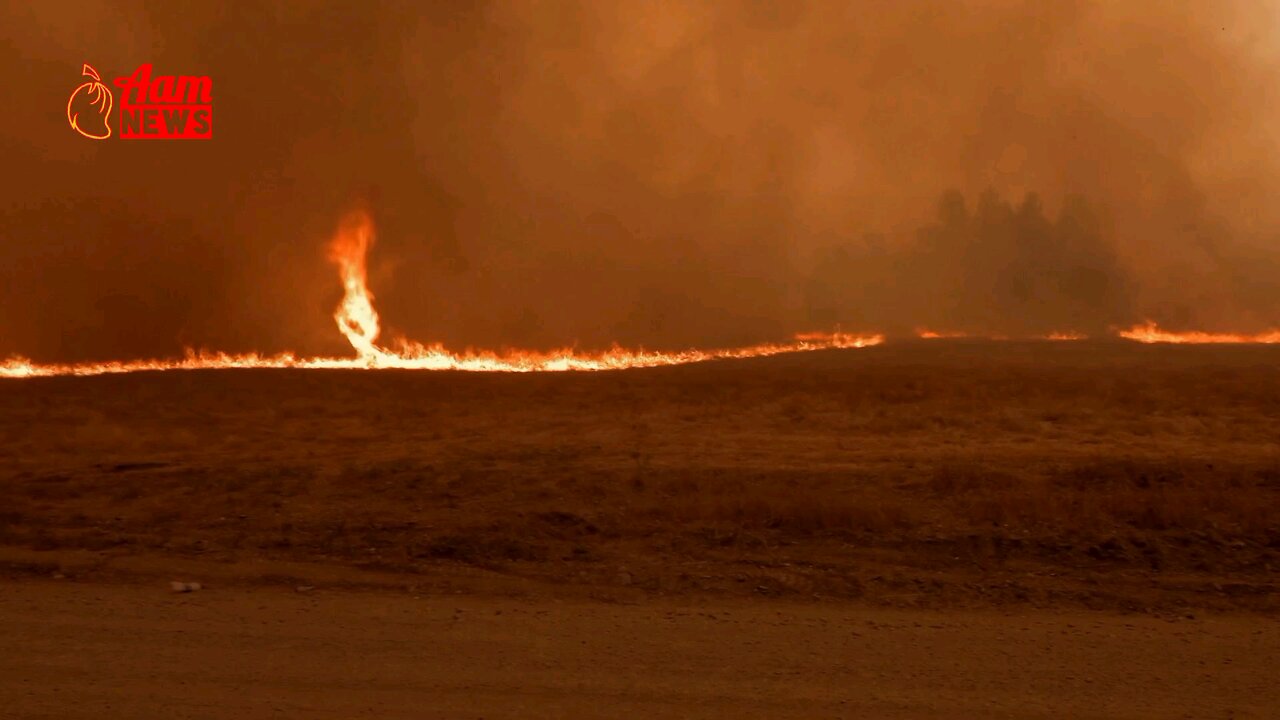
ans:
x=940 y=473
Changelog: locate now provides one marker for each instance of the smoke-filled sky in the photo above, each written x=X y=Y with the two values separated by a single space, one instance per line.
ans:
x=657 y=173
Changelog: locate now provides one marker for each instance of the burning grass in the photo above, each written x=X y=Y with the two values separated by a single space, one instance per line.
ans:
x=358 y=321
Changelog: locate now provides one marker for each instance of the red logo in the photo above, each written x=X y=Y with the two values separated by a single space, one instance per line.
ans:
x=160 y=107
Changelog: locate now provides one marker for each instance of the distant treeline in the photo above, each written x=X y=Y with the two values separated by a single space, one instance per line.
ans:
x=994 y=268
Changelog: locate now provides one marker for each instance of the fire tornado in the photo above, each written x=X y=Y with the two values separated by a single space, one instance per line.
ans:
x=357 y=320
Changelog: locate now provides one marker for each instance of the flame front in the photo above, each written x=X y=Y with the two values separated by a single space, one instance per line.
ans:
x=1149 y=332
x=357 y=320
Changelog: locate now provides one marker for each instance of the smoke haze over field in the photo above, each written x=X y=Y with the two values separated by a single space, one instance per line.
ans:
x=666 y=174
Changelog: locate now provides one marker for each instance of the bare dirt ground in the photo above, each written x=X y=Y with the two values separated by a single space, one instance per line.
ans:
x=1084 y=529
x=93 y=650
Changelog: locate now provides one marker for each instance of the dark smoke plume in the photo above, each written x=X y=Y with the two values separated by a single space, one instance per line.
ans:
x=995 y=269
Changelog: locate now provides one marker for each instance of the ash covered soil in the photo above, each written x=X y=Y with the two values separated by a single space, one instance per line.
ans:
x=923 y=529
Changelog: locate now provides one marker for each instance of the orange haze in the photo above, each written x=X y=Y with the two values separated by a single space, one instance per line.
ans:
x=660 y=174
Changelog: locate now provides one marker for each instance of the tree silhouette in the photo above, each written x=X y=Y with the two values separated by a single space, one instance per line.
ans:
x=1000 y=269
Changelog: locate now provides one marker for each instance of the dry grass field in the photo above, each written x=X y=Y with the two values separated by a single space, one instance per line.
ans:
x=937 y=473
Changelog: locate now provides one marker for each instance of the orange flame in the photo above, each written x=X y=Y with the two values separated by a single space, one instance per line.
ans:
x=927 y=334
x=1149 y=332
x=356 y=318
x=358 y=321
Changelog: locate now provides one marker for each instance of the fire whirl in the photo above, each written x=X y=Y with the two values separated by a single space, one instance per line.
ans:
x=358 y=321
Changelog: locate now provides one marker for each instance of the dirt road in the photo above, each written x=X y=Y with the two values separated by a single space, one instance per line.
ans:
x=109 y=650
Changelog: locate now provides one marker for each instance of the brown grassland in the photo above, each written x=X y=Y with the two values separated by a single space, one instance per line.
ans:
x=936 y=473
